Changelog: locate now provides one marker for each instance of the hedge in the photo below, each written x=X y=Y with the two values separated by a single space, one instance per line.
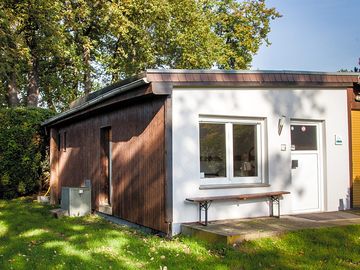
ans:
x=23 y=151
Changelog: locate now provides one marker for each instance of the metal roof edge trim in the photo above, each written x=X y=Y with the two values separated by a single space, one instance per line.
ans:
x=209 y=71
x=260 y=87
x=113 y=92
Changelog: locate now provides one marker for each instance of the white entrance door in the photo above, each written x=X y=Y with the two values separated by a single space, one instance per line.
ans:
x=305 y=167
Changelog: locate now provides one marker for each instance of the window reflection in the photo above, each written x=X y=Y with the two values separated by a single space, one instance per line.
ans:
x=303 y=137
x=244 y=150
x=212 y=150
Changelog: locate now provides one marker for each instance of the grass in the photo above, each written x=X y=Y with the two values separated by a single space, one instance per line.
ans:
x=31 y=239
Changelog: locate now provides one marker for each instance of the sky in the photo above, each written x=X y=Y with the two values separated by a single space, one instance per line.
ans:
x=312 y=35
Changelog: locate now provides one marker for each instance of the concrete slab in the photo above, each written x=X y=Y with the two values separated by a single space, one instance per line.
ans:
x=329 y=216
x=234 y=231
x=59 y=213
x=105 y=209
x=126 y=223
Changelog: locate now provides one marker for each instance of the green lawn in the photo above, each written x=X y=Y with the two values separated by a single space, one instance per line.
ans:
x=31 y=239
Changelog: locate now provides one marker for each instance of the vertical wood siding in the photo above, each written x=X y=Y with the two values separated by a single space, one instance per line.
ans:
x=138 y=158
x=355 y=135
x=353 y=111
x=54 y=162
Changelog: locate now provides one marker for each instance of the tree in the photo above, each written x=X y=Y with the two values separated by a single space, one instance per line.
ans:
x=186 y=34
x=10 y=53
x=87 y=23
x=53 y=51
x=33 y=39
x=156 y=33
x=242 y=28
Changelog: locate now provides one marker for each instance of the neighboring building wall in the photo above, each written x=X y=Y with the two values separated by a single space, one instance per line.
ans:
x=354 y=132
x=138 y=173
x=326 y=105
x=355 y=151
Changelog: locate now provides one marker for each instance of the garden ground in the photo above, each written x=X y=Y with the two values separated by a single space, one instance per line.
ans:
x=30 y=238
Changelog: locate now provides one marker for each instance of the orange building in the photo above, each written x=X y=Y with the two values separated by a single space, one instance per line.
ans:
x=354 y=134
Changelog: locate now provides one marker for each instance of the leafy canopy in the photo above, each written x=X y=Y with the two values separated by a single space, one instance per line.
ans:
x=61 y=49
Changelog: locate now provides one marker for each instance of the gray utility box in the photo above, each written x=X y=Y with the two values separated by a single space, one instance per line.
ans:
x=77 y=201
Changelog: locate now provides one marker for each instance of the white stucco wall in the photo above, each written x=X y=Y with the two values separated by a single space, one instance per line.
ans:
x=327 y=105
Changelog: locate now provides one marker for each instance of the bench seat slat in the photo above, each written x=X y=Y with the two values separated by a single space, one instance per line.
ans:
x=238 y=197
x=205 y=202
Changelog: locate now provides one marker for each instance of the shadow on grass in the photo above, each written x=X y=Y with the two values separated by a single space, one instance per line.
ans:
x=31 y=239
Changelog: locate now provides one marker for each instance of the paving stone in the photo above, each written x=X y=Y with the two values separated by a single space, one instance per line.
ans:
x=233 y=231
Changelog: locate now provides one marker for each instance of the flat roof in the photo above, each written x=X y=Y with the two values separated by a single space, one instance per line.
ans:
x=257 y=77
x=223 y=71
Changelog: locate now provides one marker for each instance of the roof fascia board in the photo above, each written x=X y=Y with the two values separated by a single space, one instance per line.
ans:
x=107 y=95
x=219 y=71
x=260 y=85
x=161 y=88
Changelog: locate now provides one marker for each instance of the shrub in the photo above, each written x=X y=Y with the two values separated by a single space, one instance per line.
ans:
x=23 y=148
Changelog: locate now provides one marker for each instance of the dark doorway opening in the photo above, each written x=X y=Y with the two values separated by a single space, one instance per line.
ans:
x=105 y=165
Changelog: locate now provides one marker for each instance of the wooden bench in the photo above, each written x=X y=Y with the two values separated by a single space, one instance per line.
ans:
x=205 y=202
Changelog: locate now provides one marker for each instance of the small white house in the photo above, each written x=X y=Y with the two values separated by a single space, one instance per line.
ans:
x=286 y=134
x=244 y=132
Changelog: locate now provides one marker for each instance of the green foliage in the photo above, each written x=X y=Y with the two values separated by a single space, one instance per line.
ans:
x=242 y=26
x=33 y=33
x=63 y=49
x=3 y=102
x=184 y=34
x=22 y=151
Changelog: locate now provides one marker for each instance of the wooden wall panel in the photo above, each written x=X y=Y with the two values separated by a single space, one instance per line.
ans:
x=355 y=134
x=138 y=164
x=54 y=165
x=354 y=105
x=353 y=110
x=138 y=159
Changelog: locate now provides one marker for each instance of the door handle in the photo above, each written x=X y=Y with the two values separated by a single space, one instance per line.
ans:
x=294 y=164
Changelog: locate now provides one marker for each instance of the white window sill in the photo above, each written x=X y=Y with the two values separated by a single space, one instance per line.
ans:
x=222 y=186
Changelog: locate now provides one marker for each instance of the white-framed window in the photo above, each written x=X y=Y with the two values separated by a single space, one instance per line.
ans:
x=232 y=150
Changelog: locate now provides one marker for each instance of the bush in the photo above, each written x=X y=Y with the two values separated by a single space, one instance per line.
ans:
x=23 y=151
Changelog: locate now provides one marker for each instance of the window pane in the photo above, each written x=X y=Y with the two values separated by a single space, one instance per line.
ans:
x=212 y=150
x=303 y=137
x=245 y=150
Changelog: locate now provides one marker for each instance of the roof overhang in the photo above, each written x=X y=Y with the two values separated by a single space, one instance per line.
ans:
x=162 y=82
x=253 y=79
x=86 y=103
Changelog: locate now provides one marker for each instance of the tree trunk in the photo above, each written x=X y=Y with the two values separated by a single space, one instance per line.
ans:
x=50 y=104
x=87 y=74
x=48 y=99
x=115 y=77
x=12 y=94
x=33 y=87
x=115 y=74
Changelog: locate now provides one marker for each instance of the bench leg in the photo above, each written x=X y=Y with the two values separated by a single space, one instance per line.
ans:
x=204 y=206
x=271 y=208
x=276 y=200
